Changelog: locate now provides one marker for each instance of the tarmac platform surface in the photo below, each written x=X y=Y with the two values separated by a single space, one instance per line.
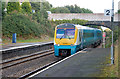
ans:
x=83 y=64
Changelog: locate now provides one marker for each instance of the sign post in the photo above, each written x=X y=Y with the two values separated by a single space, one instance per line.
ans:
x=112 y=19
x=110 y=12
x=14 y=38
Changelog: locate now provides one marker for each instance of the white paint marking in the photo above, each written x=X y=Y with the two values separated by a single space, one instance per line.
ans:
x=23 y=46
x=56 y=63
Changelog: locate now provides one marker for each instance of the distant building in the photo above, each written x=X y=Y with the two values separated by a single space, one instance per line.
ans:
x=5 y=10
x=49 y=12
x=33 y=11
x=20 y=3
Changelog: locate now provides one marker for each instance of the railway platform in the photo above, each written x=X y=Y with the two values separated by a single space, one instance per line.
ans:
x=20 y=45
x=87 y=63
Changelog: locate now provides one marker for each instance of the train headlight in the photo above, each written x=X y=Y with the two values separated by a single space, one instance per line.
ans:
x=72 y=45
x=57 y=44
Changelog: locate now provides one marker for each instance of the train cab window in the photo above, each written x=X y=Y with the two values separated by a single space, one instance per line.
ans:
x=65 y=33
x=70 y=33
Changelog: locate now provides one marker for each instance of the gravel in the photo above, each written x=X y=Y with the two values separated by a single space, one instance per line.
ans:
x=21 y=69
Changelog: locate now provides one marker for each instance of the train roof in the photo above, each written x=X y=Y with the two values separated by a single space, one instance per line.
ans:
x=86 y=27
x=65 y=25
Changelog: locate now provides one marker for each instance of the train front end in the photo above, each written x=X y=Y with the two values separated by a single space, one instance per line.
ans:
x=64 y=40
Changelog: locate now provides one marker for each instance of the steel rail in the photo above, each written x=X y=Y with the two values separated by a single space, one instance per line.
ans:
x=27 y=58
x=26 y=76
x=37 y=70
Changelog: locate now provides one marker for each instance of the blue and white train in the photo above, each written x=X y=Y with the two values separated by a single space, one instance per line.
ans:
x=69 y=38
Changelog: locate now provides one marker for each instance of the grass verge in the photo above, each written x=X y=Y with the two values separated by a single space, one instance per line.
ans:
x=6 y=41
x=112 y=70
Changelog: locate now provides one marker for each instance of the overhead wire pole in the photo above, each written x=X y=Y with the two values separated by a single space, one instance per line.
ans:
x=112 y=20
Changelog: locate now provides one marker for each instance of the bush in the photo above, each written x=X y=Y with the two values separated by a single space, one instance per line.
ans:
x=13 y=6
x=26 y=7
x=60 y=10
x=34 y=25
x=73 y=21
x=20 y=24
x=115 y=36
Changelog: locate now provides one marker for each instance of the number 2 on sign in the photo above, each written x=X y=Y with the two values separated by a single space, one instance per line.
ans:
x=107 y=12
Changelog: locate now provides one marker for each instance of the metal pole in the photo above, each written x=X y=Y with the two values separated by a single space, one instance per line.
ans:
x=112 y=20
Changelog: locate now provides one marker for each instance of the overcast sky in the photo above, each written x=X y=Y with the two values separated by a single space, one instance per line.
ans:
x=97 y=6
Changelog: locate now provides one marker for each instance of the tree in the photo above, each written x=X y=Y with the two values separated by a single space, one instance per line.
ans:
x=46 y=5
x=77 y=9
x=87 y=11
x=26 y=7
x=3 y=4
x=71 y=8
x=119 y=11
x=40 y=14
x=0 y=18
x=12 y=6
x=60 y=10
x=37 y=6
x=0 y=11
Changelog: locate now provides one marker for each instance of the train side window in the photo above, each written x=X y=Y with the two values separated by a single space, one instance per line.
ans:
x=79 y=36
x=88 y=35
x=84 y=35
x=92 y=34
x=98 y=34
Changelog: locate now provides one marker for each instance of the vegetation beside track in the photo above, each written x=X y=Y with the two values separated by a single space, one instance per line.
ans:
x=112 y=70
x=45 y=38
x=70 y=9
x=28 y=30
x=107 y=69
x=29 y=26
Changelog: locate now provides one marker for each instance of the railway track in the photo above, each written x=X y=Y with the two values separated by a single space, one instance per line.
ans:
x=30 y=74
x=12 y=62
x=12 y=65
x=18 y=51
x=39 y=69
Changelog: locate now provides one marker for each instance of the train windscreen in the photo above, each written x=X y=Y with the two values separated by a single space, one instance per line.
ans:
x=65 y=33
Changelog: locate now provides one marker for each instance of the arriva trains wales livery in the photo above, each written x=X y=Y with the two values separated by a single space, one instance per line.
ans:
x=69 y=38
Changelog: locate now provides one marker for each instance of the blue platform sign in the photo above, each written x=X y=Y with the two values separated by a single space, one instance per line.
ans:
x=14 y=38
